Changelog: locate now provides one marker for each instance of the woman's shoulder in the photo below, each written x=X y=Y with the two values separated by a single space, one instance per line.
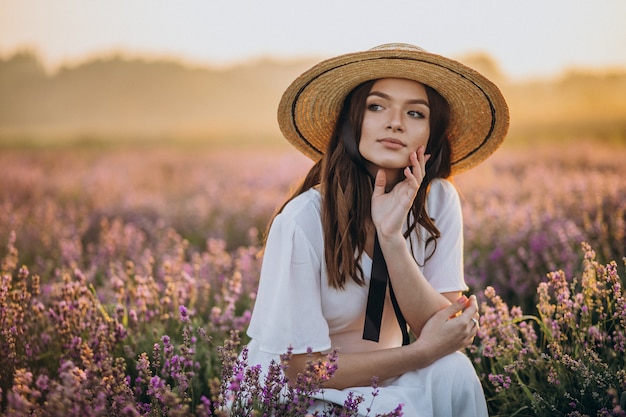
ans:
x=305 y=203
x=304 y=210
x=442 y=193
x=301 y=219
x=442 y=187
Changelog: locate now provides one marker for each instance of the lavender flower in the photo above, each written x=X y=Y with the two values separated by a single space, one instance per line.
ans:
x=566 y=355
x=114 y=263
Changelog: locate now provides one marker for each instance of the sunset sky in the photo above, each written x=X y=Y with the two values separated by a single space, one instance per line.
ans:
x=527 y=38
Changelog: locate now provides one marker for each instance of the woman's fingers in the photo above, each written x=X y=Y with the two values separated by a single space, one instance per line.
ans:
x=467 y=321
x=380 y=183
x=391 y=206
x=413 y=173
x=470 y=316
x=418 y=163
x=446 y=331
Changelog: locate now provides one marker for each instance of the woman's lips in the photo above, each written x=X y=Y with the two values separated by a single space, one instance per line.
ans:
x=391 y=143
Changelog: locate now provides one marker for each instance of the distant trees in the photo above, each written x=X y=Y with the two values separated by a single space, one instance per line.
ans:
x=117 y=95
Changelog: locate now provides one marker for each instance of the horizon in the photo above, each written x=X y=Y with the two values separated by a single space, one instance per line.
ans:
x=528 y=40
x=129 y=96
x=468 y=58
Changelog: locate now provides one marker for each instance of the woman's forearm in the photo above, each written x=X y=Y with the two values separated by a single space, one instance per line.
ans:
x=417 y=299
x=358 y=369
x=448 y=330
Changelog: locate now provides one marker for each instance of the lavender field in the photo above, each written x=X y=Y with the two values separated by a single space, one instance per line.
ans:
x=128 y=274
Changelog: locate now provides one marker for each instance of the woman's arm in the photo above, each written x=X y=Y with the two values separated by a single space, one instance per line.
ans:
x=446 y=332
x=416 y=297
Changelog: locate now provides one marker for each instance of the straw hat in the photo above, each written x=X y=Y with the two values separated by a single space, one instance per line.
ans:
x=479 y=116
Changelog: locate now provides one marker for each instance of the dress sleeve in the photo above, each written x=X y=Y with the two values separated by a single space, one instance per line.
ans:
x=444 y=269
x=288 y=307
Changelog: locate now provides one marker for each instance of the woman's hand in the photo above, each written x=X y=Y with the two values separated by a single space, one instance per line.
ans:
x=389 y=209
x=450 y=329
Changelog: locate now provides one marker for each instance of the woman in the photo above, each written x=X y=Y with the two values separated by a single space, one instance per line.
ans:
x=372 y=243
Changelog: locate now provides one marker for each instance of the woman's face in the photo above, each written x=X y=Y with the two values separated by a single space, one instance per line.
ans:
x=395 y=123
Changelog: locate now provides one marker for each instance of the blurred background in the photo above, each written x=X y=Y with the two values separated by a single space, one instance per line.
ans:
x=159 y=114
x=141 y=162
x=213 y=70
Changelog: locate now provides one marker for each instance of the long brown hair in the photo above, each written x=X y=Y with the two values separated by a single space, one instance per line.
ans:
x=347 y=188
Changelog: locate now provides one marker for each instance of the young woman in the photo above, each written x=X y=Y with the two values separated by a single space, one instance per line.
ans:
x=371 y=244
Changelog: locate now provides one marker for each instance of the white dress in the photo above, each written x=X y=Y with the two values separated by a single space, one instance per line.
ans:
x=296 y=307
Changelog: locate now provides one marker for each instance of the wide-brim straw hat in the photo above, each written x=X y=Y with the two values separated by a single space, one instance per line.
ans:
x=479 y=116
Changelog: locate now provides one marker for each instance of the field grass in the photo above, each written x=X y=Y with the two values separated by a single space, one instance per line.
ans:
x=121 y=241
x=134 y=197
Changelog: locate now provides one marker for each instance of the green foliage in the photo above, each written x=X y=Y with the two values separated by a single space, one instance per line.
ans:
x=566 y=361
x=141 y=261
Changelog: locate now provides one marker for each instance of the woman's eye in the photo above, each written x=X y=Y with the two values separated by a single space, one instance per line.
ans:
x=374 y=107
x=416 y=114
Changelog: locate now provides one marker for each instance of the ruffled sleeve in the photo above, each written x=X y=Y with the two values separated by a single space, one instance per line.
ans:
x=288 y=308
x=444 y=269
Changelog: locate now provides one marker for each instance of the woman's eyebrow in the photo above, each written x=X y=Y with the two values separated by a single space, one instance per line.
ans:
x=388 y=97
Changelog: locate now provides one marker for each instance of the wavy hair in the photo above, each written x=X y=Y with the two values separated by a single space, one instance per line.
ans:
x=346 y=186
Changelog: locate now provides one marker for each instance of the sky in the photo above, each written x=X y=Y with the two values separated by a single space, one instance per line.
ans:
x=527 y=38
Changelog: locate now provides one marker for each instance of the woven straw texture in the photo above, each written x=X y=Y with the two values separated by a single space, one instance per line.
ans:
x=479 y=118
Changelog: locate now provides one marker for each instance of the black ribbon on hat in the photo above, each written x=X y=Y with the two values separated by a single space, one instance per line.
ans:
x=376 y=299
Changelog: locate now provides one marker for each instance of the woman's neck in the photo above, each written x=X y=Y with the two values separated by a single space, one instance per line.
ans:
x=394 y=176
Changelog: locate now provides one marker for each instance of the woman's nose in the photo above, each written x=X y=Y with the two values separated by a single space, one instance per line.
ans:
x=395 y=121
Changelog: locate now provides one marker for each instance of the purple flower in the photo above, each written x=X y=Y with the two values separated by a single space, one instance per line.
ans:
x=184 y=314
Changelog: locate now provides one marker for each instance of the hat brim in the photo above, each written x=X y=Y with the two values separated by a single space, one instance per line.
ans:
x=479 y=116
